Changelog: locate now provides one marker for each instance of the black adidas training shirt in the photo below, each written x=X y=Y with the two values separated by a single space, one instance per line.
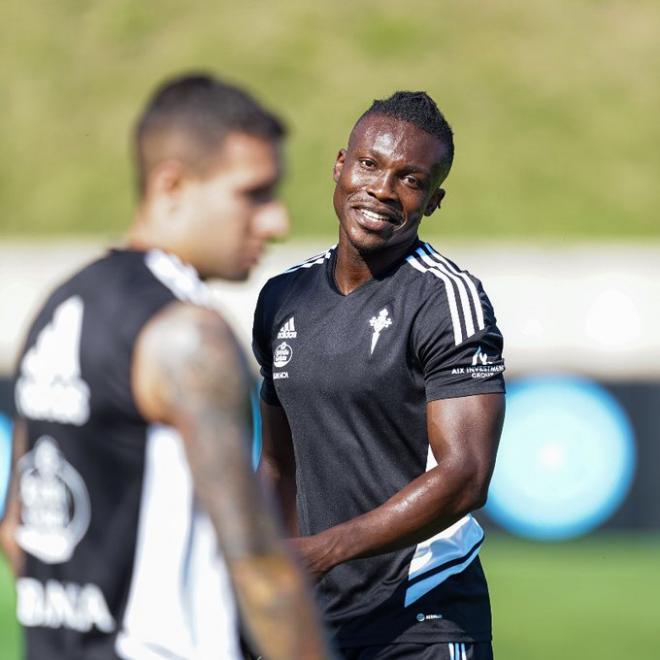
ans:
x=353 y=374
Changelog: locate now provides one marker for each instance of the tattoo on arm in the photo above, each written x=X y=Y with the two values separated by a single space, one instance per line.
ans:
x=208 y=394
x=190 y=373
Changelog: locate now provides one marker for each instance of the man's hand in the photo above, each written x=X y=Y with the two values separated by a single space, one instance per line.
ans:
x=315 y=553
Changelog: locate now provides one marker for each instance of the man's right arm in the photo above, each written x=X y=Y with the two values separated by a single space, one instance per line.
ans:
x=278 y=462
x=188 y=372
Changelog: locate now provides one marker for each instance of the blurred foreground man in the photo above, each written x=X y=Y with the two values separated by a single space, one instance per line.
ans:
x=132 y=438
x=383 y=403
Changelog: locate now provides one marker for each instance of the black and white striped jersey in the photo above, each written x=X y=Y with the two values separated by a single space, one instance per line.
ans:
x=120 y=562
x=353 y=374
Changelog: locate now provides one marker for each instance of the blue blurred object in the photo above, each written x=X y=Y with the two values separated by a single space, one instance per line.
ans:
x=5 y=459
x=566 y=461
x=256 y=427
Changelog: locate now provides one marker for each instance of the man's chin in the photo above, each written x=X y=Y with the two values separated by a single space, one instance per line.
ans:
x=367 y=250
x=238 y=275
x=368 y=242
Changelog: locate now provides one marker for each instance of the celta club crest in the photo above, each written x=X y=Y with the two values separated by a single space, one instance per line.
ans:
x=379 y=323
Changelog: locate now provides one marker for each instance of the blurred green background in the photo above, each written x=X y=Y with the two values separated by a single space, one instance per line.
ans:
x=591 y=599
x=555 y=109
x=554 y=104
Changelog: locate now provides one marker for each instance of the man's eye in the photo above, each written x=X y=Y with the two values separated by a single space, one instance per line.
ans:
x=367 y=163
x=260 y=195
x=412 y=181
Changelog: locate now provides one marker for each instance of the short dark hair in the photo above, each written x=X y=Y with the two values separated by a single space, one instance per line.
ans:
x=420 y=109
x=203 y=110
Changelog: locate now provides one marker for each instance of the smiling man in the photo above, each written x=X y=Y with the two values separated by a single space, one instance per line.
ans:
x=383 y=403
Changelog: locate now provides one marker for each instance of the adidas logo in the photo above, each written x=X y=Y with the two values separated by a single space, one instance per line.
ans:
x=50 y=386
x=288 y=330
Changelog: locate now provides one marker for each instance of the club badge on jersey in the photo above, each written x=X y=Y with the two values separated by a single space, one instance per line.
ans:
x=55 y=510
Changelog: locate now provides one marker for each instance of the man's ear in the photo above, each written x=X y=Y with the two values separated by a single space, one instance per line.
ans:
x=166 y=179
x=434 y=202
x=164 y=186
x=339 y=165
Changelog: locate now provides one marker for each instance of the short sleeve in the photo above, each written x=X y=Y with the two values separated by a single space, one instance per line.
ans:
x=458 y=345
x=262 y=350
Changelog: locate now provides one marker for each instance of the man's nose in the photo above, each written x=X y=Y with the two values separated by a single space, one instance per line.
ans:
x=382 y=186
x=272 y=221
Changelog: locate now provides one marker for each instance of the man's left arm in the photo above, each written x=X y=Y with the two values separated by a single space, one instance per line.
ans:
x=464 y=434
x=10 y=521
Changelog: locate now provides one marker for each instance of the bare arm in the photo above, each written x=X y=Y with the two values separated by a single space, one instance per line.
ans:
x=11 y=519
x=464 y=434
x=278 y=462
x=189 y=373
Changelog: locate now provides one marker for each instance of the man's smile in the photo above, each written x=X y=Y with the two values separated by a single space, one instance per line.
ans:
x=375 y=219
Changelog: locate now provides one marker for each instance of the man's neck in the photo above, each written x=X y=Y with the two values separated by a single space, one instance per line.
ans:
x=353 y=268
x=137 y=236
x=142 y=235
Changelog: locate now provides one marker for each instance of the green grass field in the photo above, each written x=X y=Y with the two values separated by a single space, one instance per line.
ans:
x=592 y=599
x=9 y=633
x=554 y=104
